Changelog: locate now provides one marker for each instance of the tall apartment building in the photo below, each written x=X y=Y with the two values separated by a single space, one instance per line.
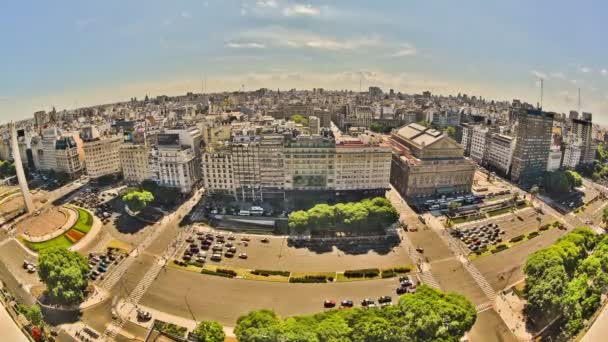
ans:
x=580 y=142
x=134 y=160
x=426 y=162
x=271 y=159
x=532 y=146
x=309 y=162
x=479 y=143
x=361 y=164
x=69 y=156
x=245 y=152
x=218 y=176
x=101 y=154
x=314 y=124
x=174 y=161
x=499 y=153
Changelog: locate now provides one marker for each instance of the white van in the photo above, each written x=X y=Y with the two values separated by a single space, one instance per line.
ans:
x=256 y=211
x=244 y=213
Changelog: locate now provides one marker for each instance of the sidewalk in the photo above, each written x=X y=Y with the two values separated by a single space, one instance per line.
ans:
x=128 y=312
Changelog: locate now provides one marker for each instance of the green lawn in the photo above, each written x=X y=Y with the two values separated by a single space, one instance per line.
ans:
x=83 y=225
x=85 y=221
x=60 y=241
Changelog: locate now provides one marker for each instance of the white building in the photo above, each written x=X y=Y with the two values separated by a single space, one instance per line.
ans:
x=499 y=153
x=479 y=143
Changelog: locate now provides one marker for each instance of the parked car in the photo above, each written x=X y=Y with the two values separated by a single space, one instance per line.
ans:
x=347 y=303
x=216 y=257
x=367 y=302
x=329 y=303
x=385 y=299
x=243 y=256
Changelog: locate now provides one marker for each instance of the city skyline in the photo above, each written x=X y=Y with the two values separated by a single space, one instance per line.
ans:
x=71 y=55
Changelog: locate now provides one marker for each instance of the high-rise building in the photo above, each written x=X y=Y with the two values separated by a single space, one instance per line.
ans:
x=314 y=124
x=101 y=154
x=533 y=134
x=499 y=152
x=134 y=160
x=581 y=144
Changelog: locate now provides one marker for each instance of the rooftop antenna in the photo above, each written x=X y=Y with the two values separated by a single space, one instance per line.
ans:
x=579 y=101
x=360 y=81
x=542 y=86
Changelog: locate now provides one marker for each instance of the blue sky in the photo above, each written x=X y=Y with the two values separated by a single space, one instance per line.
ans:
x=77 y=53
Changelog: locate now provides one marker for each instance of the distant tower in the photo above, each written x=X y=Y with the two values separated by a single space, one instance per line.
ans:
x=25 y=191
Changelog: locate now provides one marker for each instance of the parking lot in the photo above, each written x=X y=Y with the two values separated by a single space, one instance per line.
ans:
x=275 y=253
x=509 y=226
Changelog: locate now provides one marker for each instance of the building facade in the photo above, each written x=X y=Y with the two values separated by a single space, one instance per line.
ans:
x=426 y=162
x=102 y=156
x=533 y=134
x=134 y=160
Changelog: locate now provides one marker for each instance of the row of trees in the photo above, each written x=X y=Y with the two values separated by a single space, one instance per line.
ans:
x=373 y=213
x=427 y=315
x=7 y=169
x=163 y=195
x=564 y=281
x=562 y=181
x=300 y=119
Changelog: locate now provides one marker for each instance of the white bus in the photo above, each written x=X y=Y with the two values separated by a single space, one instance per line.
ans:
x=256 y=211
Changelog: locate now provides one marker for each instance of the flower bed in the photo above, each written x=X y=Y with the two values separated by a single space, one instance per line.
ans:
x=74 y=235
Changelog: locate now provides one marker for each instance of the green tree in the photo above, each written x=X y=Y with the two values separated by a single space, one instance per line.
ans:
x=7 y=169
x=557 y=182
x=605 y=215
x=207 y=331
x=298 y=221
x=64 y=273
x=300 y=119
x=574 y=179
x=450 y=131
x=138 y=200
x=33 y=314
x=424 y=123
x=258 y=326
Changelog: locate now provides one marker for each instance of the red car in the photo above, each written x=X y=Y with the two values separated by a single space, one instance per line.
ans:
x=329 y=303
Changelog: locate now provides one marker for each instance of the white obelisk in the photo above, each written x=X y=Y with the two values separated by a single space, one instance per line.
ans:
x=25 y=190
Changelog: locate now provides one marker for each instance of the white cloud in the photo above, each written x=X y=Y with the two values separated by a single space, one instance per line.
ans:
x=186 y=15
x=585 y=69
x=604 y=72
x=406 y=50
x=301 y=10
x=538 y=74
x=267 y=3
x=282 y=37
x=558 y=75
x=246 y=45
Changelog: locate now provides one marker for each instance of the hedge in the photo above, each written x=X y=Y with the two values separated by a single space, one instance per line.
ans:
x=517 y=238
x=499 y=248
x=533 y=235
x=267 y=273
x=544 y=227
x=311 y=279
x=367 y=273
x=221 y=274
x=388 y=274
x=226 y=271
x=399 y=270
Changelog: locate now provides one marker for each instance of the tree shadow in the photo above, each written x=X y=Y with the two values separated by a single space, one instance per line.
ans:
x=349 y=246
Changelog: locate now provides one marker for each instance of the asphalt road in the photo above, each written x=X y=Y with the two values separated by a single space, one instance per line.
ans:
x=195 y=296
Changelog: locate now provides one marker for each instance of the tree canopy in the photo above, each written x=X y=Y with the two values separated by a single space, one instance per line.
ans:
x=138 y=200
x=376 y=213
x=566 y=279
x=64 y=273
x=427 y=315
x=562 y=181
x=300 y=119
x=207 y=331
x=450 y=131
x=7 y=169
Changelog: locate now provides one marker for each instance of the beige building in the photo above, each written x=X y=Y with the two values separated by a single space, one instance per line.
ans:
x=361 y=165
x=309 y=163
x=427 y=162
x=102 y=156
x=217 y=170
x=134 y=162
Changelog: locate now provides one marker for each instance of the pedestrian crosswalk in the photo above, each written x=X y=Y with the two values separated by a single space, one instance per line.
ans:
x=480 y=280
x=427 y=278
